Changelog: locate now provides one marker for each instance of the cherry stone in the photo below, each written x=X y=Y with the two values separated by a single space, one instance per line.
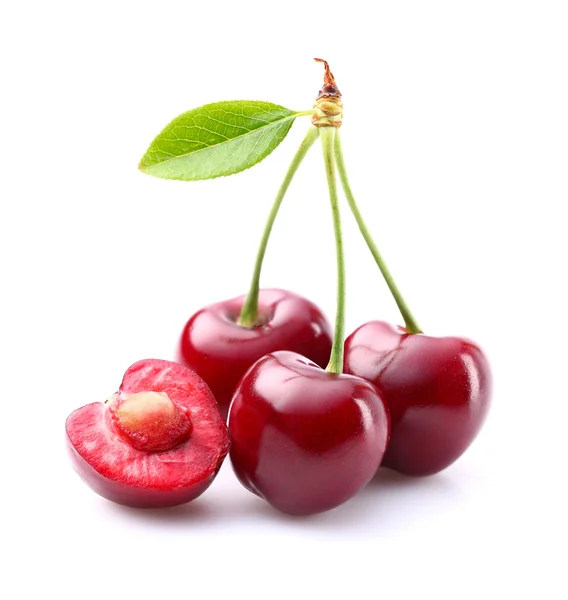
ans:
x=151 y=421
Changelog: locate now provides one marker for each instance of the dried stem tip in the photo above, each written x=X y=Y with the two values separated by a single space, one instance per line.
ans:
x=328 y=109
x=329 y=86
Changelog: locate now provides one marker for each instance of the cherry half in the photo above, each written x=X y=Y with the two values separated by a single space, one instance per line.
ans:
x=220 y=350
x=304 y=439
x=159 y=441
x=438 y=390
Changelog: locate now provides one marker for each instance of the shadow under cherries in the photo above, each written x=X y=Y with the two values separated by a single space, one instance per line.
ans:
x=390 y=501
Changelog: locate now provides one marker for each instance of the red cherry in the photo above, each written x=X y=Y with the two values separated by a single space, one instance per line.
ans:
x=304 y=439
x=159 y=441
x=221 y=351
x=438 y=391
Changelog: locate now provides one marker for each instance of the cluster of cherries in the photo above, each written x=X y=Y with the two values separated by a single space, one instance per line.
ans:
x=304 y=437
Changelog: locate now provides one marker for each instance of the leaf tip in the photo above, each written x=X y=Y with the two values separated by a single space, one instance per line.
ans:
x=142 y=166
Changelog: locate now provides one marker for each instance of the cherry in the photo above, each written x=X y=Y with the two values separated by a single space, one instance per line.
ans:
x=220 y=350
x=221 y=341
x=304 y=439
x=307 y=439
x=159 y=441
x=437 y=388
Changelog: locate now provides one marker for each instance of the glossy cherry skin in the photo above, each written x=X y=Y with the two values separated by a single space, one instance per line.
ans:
x=438 y=390
x=304 y=439
x=220 y=351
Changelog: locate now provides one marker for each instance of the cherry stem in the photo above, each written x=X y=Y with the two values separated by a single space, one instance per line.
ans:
x=328 y=137
x=409 y=320
x=249 y=312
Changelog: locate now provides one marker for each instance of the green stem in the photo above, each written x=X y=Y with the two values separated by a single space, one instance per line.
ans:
x=328 y=136
x=411 y=324
x=249 y=312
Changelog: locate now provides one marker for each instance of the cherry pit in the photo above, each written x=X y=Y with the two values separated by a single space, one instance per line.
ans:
x=307 y=415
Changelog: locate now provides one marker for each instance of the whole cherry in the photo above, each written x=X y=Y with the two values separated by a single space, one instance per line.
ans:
x=438 y=390
x=221 y=341
x=305 y=439
x=159 y=441
x=220 y=350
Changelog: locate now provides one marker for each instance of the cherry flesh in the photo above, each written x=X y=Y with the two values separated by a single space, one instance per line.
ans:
x=159 y=441
x=304 y=439
x=221 y=351
x=438 y=390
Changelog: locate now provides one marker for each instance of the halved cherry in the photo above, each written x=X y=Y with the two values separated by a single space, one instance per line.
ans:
x=159 y=441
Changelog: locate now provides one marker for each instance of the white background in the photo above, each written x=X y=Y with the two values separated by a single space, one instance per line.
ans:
x=456 y=139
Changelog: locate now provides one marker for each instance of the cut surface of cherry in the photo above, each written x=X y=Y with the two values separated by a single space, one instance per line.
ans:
x=159 y=441
x=304 y=439
x=221 y=351
x=438 y=390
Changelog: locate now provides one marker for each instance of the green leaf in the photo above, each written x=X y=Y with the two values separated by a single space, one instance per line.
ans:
x=217 y=139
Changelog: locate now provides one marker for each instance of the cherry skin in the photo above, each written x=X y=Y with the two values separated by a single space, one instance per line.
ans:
x=220 y=351
x=438 y=391
x=304 y=439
